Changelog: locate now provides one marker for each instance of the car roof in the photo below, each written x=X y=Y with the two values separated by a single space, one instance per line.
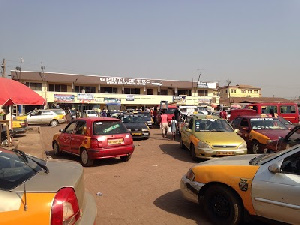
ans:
x=250 y=117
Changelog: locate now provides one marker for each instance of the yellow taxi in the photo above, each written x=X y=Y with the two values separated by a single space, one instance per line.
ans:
x=234 y=187
x=207 y=136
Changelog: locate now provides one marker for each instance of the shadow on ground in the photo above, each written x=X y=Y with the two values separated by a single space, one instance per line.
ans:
x=173 y=202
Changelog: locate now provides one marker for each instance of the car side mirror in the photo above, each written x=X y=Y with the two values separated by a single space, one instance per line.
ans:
x=274 y=168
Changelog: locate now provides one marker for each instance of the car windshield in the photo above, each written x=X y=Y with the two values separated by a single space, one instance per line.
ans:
x=14 y=170
x=212 y=125
x=108 y=128
x=91 y=112
x=267 y=124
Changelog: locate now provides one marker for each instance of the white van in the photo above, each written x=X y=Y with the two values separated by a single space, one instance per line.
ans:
x=91 y=113
x=187 y=109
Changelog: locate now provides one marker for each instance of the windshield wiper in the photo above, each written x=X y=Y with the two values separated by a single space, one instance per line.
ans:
x=25 y=158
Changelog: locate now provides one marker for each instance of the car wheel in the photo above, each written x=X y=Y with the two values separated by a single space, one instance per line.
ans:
x=53 y=123
x=84 y=158
x=125 y=158
x=255 y=148
x=182 y=146
x=56 y=149
x=222 y=205
x=193 y=153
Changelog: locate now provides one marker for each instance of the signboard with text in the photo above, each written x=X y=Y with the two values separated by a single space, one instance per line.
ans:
x=129 y=81
x=64 y=98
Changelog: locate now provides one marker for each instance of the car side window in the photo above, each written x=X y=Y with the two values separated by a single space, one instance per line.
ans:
x=291 y=164
x=191 y=123
x=80 y=128
x=70 y=128
x=244 y=123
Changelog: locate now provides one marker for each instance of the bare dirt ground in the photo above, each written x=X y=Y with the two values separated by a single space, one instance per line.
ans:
x=144 y=190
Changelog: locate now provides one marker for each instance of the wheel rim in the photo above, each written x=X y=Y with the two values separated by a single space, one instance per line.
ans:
x=54 y=123
x=220 y=206
x=255 y=148
x=84 y=157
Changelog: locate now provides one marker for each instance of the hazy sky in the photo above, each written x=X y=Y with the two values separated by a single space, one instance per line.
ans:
x=254 y=42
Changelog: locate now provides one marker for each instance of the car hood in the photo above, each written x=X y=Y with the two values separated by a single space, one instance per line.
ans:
x=220 y=138
x=274 y=134
x=135 y=125
x=61 y=174
x=230 y=160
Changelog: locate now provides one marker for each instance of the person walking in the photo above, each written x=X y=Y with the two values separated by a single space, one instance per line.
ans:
x=173 y=127
x=164 y=124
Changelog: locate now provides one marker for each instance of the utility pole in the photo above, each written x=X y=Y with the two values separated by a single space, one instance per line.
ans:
x=3 y=66
x=228 y=83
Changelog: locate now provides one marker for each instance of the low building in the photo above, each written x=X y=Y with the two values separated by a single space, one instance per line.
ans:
x=239 y=91
x=92 y=91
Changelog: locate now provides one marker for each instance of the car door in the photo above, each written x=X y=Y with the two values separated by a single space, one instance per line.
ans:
x=189 y=129
x=276 y=195
x=78 y=136
x=65 y=137
x=47 y=116
x=33 y=117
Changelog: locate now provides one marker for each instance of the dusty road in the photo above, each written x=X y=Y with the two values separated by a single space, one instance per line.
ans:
x=144 y=190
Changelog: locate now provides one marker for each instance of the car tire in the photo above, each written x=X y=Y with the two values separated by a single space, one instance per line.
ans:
x=193 y=153
x=84 y=159
x=56 y=149
x=125 y=158
x=222 y=205
x=255 y=147
x=53 y=123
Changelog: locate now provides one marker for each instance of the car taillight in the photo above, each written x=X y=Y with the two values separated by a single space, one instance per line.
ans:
x=65 y=208
x=94 y=143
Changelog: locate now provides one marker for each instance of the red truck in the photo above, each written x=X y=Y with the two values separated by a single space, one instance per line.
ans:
x=168 y=109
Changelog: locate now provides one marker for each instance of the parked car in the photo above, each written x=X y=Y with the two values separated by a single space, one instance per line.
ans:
x=91 y=113
x=147 y=117
x=19 y=126
x=94 y=138
x=260 y=132
x=264 y=185
x=43 y=116
x=207 y=136
x=137 y=125
x=291 y=139
x=34 y=191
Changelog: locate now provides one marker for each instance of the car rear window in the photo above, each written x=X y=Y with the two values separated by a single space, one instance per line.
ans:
x=108 y=127
x=14 y=171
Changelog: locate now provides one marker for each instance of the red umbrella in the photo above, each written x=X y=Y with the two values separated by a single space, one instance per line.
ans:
x=15 y=93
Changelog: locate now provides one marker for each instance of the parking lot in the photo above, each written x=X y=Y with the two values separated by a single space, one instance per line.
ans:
x=144 y=190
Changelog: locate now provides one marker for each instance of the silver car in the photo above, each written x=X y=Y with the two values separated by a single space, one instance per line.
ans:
x=45 y=116
x=34 y=191
x=265 y=185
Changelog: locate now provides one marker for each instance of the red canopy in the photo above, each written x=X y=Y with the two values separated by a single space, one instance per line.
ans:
x=15 y=93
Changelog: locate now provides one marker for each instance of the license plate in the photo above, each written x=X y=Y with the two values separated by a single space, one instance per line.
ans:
x=136 y=133
x=225 y=153
x=116 y=141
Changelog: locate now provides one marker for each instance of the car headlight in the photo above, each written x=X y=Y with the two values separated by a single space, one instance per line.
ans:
x=243 y=145
x=190 y=175
x=203 y=145
x=144 y=130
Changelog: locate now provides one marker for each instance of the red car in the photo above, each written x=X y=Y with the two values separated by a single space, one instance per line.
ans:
x=260 y=132
x=94 y=138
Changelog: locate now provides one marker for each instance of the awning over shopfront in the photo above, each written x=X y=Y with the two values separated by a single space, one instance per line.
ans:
x=15 y=93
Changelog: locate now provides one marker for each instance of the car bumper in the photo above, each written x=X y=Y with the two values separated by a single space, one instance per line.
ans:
x=141 y=135
x=190 y=189
x=89 y=212
x=20 y=130
x=212 y=153
x=102 y=153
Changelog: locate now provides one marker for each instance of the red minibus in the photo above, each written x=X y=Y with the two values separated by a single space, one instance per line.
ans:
x=287 y=110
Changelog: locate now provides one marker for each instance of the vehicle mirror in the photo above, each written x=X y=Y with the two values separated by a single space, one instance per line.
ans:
x=274 y=168
x=236 y=130
x=61 y=130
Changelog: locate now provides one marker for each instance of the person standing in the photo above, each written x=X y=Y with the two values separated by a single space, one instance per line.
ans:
x=173 y=127
x=223 y=114
x=164 y=124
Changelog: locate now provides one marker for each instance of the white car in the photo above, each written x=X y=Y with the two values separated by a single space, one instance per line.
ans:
x=264 y=185
x=91 y=113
